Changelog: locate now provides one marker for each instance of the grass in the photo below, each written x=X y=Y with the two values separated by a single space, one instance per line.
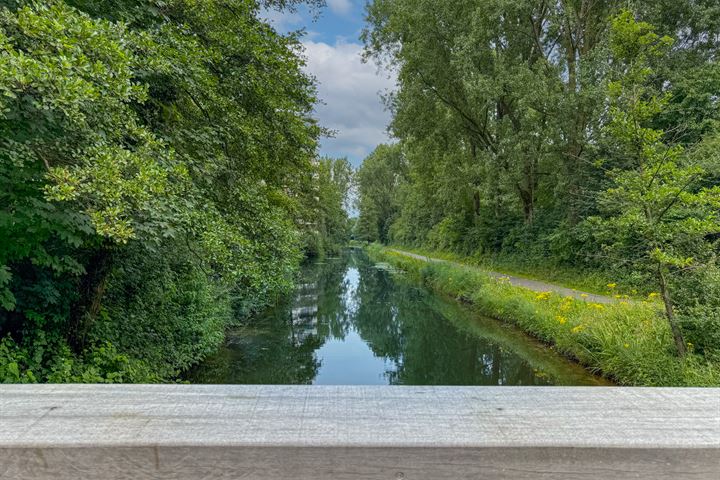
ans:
x=590 y=282
x=628 y=342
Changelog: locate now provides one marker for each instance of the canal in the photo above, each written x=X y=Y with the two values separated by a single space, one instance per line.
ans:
x=354 y=322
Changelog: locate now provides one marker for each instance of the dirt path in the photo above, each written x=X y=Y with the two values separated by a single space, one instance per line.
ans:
x=534 y=285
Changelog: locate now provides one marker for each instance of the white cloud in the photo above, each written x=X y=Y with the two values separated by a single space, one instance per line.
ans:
x=340 y=7
x=350 y=91
x=283 y=21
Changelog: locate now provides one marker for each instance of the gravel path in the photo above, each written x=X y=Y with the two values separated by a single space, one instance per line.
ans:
x=534 y=285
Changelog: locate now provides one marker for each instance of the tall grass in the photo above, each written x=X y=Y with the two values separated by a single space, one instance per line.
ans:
x=628 y=341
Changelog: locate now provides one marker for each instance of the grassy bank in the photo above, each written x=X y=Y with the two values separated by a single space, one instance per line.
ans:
x=591 y=282
x=627 y=341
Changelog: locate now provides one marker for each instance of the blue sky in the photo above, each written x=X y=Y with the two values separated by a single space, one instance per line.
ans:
x=349 y=89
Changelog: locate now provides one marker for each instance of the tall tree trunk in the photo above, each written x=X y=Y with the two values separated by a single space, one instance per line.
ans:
x=91 y=289
x=527 y=197
x=676 y=333
x=476 y=202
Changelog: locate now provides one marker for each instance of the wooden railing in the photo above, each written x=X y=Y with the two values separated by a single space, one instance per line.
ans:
x=347 y=433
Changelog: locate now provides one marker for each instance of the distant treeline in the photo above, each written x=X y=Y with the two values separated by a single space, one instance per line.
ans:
x=159 y=179
x=582 y=134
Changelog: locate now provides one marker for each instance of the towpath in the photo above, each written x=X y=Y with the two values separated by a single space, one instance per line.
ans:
x=535 y=285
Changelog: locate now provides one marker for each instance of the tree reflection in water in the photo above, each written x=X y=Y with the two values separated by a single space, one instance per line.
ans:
x=351 y=321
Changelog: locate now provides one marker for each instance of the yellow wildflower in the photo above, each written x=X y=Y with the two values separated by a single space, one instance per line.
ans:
x=597 y=306
x=561 y=320
x=577 y=329
x=584 y=295
x=542 y=296
x=653 y=295
x=611 y=285
x=627 y=345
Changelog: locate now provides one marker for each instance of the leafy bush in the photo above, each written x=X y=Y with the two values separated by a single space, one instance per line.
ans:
x=43 y=360
x=698 y=300
x=163 y=310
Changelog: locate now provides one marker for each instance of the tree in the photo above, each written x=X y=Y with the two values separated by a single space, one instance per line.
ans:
x=327 y=224
x=658 y=211
x=132 y=130
x=378 y=180
x=510 y=88
x=75 y=159
x=500 y=111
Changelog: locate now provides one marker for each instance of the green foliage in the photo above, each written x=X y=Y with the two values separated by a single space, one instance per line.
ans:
x=67 y=85
x=44 y=360
x=163 y=310
x=501 y=109
x=156 y=168
x=658 y=213
x=559 y=137
x=378 y=178
x=328 y=228
x=494 y=107
x=698 y=310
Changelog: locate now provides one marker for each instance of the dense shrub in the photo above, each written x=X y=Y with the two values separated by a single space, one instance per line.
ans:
x=163 y=310
x=41 y=359
x=699 y=300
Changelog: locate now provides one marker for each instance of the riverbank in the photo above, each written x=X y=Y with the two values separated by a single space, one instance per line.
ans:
x=528 y=283
x=626 y=341
x=592 y=282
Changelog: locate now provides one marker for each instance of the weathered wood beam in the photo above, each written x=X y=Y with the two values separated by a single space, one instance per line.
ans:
x=311 y=432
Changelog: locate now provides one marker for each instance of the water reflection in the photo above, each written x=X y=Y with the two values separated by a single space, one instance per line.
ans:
x=353 y=322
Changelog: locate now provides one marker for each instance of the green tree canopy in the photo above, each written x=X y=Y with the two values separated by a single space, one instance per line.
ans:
x=147 y=146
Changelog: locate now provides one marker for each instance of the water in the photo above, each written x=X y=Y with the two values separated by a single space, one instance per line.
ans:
x=352 y=322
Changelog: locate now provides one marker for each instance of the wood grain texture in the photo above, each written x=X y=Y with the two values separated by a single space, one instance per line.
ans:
x=286 y=432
